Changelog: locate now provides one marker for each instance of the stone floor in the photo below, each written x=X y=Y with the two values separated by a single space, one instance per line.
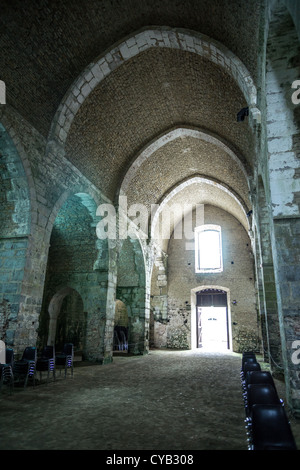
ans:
x=167 y=400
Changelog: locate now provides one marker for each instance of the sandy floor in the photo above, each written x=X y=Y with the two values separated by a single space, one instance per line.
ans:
x=167 y=400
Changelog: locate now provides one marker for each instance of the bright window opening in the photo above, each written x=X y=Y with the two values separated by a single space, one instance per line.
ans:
x=208 y=249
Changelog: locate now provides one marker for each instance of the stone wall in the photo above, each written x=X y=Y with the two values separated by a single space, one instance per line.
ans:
x=12 y=260
x=35 y=184
x=283 y=163
x=14 y=231
x=283 y=116
x=287 y=233
x=14 y=190
x=237 y=277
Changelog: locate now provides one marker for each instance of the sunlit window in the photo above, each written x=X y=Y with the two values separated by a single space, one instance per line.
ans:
x=208 y=249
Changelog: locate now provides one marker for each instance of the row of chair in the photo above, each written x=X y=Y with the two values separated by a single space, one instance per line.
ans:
x=26 y=368
x=267 y=425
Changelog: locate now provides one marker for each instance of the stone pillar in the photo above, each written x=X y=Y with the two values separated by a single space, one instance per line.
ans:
x=140 y=326
x=113 y=251
x=265 y=269
x=12 y=259
x=272 y=319
x=159 y=300
x=261 y=300
x=95 y=304
x=27 y=322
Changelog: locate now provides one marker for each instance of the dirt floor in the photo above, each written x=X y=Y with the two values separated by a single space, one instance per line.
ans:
x=166 y=400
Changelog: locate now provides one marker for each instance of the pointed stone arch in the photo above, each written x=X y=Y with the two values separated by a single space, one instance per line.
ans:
x=79 y=260
x=121 y=324
x=74 y=332
x=158 y=37
x=166 y=201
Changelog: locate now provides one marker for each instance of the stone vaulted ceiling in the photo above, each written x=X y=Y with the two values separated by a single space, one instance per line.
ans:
x=46 y=45
x=150 y=94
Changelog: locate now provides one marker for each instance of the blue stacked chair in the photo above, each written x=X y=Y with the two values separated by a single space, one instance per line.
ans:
x=46 y=363
x=6 y=370
x=65 y=358
x=25 y=368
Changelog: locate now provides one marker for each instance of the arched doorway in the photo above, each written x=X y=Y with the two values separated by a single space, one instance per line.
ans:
x=66 y=319
x=211 y=324
x=121 y=327
x=76 y=266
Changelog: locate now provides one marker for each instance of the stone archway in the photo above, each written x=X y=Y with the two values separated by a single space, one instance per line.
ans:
x=79 y=260
x=180 y=133
x=157 y=37
x=121 y=327
x=66 y=325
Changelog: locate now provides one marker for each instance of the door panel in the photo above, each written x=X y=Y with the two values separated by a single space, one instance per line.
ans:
x=212 y=319
x=214 y=326
x=199 y=328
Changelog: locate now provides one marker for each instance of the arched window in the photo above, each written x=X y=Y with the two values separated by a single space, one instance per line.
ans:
x=208 y=249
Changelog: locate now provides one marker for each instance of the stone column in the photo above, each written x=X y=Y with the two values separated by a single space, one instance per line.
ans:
x=113 y=251
x=264 y=258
